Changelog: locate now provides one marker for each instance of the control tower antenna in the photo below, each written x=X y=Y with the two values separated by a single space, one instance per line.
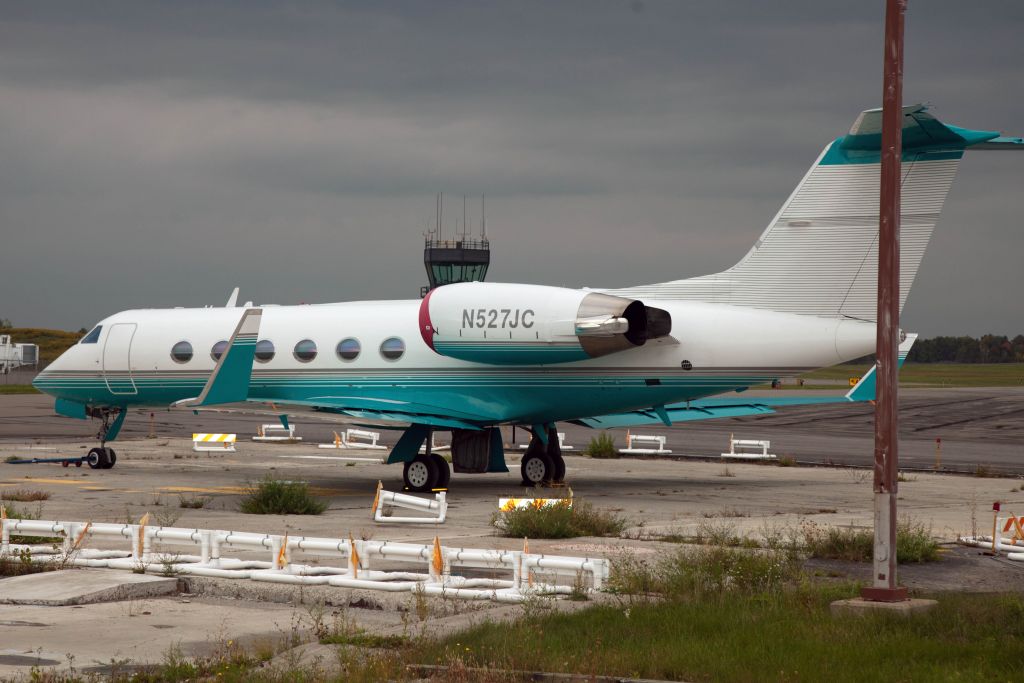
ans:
x=483 y=216
x=463 y=258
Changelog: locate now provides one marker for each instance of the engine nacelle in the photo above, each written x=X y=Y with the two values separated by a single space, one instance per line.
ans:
x=509 y=324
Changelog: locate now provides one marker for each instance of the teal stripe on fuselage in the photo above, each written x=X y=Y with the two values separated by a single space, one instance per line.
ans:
x=493 y=396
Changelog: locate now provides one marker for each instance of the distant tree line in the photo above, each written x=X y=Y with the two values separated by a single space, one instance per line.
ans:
x=990 y=348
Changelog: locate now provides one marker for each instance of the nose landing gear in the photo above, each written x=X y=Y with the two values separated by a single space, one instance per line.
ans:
x=111 y=419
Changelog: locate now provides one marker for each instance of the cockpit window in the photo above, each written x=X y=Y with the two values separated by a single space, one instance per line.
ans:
x=93 y=336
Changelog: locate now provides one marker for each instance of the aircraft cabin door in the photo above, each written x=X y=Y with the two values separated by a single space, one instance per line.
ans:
x=117 y=359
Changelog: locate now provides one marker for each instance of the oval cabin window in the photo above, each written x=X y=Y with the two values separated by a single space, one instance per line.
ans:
x=264 y=350
x=218 y=349
x=305 y=350
x=348 y=349
x=181 y=352
x=392 y=348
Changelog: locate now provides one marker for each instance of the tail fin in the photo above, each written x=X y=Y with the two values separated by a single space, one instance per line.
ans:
x=819 y=256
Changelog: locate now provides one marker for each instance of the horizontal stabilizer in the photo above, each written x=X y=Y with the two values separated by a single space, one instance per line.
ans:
x=864 y=390
x=712 y=408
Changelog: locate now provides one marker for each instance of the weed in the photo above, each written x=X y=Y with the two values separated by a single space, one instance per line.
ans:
x=361 y=638
x=905 y=477
x=726 y=472
x=725 y=512
x=602 y=446
x=273 y=496
x=984 y=471
x=166 y=517
x=193 y=502
x=24 y=495
x=559 y=521
x=692 y=572
x=914 y=542
x=786 y=461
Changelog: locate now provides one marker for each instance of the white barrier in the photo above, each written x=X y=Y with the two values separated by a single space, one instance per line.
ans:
x=561 y=444
x=148 y=551
x=632 y=439
x=287 y=435
x=214 y=443
x=355 y=438
x=1013 y=545
x=438 y=507
x=748 y=449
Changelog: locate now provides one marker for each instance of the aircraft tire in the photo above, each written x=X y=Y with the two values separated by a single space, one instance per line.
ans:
x=444 y=472
x=111 y=458
x=420 y=474
x=96 y=458
x=559 y=464
x=536 y=468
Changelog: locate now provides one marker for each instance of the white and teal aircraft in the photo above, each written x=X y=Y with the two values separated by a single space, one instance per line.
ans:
x=471 y=357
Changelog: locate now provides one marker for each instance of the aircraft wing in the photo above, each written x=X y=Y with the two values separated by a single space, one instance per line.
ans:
x=737 y=406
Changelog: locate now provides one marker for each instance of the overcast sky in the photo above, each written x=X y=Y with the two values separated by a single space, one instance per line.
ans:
x=157 y=154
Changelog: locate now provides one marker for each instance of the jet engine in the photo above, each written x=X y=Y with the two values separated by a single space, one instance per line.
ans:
x=510 y=324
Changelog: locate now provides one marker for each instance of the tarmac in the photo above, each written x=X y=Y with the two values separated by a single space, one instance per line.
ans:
x=673 y=497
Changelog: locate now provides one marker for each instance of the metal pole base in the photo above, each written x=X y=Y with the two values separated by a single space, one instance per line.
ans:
x=897 y=594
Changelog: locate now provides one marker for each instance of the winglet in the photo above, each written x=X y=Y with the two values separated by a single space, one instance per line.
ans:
x=864 y=390
x=229 y=382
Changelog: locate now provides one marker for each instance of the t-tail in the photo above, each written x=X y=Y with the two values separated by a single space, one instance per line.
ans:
x=819 y=255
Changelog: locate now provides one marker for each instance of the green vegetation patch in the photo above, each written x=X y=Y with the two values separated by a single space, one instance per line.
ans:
x=740 y=636
x=602 y=446
x=559 y=521
x=936 y=374
x=272 y=496
x=914 y=543
x=11 y=389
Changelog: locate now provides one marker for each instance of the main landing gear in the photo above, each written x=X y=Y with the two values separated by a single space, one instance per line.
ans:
x=426 y=472
x=104 y=457
x=543 y=464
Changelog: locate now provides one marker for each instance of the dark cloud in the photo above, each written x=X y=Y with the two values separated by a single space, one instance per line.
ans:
x=159 y=153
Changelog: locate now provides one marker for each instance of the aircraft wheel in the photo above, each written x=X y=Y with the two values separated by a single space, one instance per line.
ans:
x=536 y=468
x=559 y=464
x=64 y=463
x=96 y=458
x=420 y=474
x=444 y=472
x=111 y=458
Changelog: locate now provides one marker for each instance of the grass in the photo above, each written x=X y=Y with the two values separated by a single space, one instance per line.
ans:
x=193 y=502
x=23 y=495
x=914 y=543
x=758 y=636
x=558 y=521
x=937 y=374
x=272 y=496
x=602 y=446
x=8 y=389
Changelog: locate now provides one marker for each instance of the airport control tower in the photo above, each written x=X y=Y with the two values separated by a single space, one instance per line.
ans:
x=461 y=258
